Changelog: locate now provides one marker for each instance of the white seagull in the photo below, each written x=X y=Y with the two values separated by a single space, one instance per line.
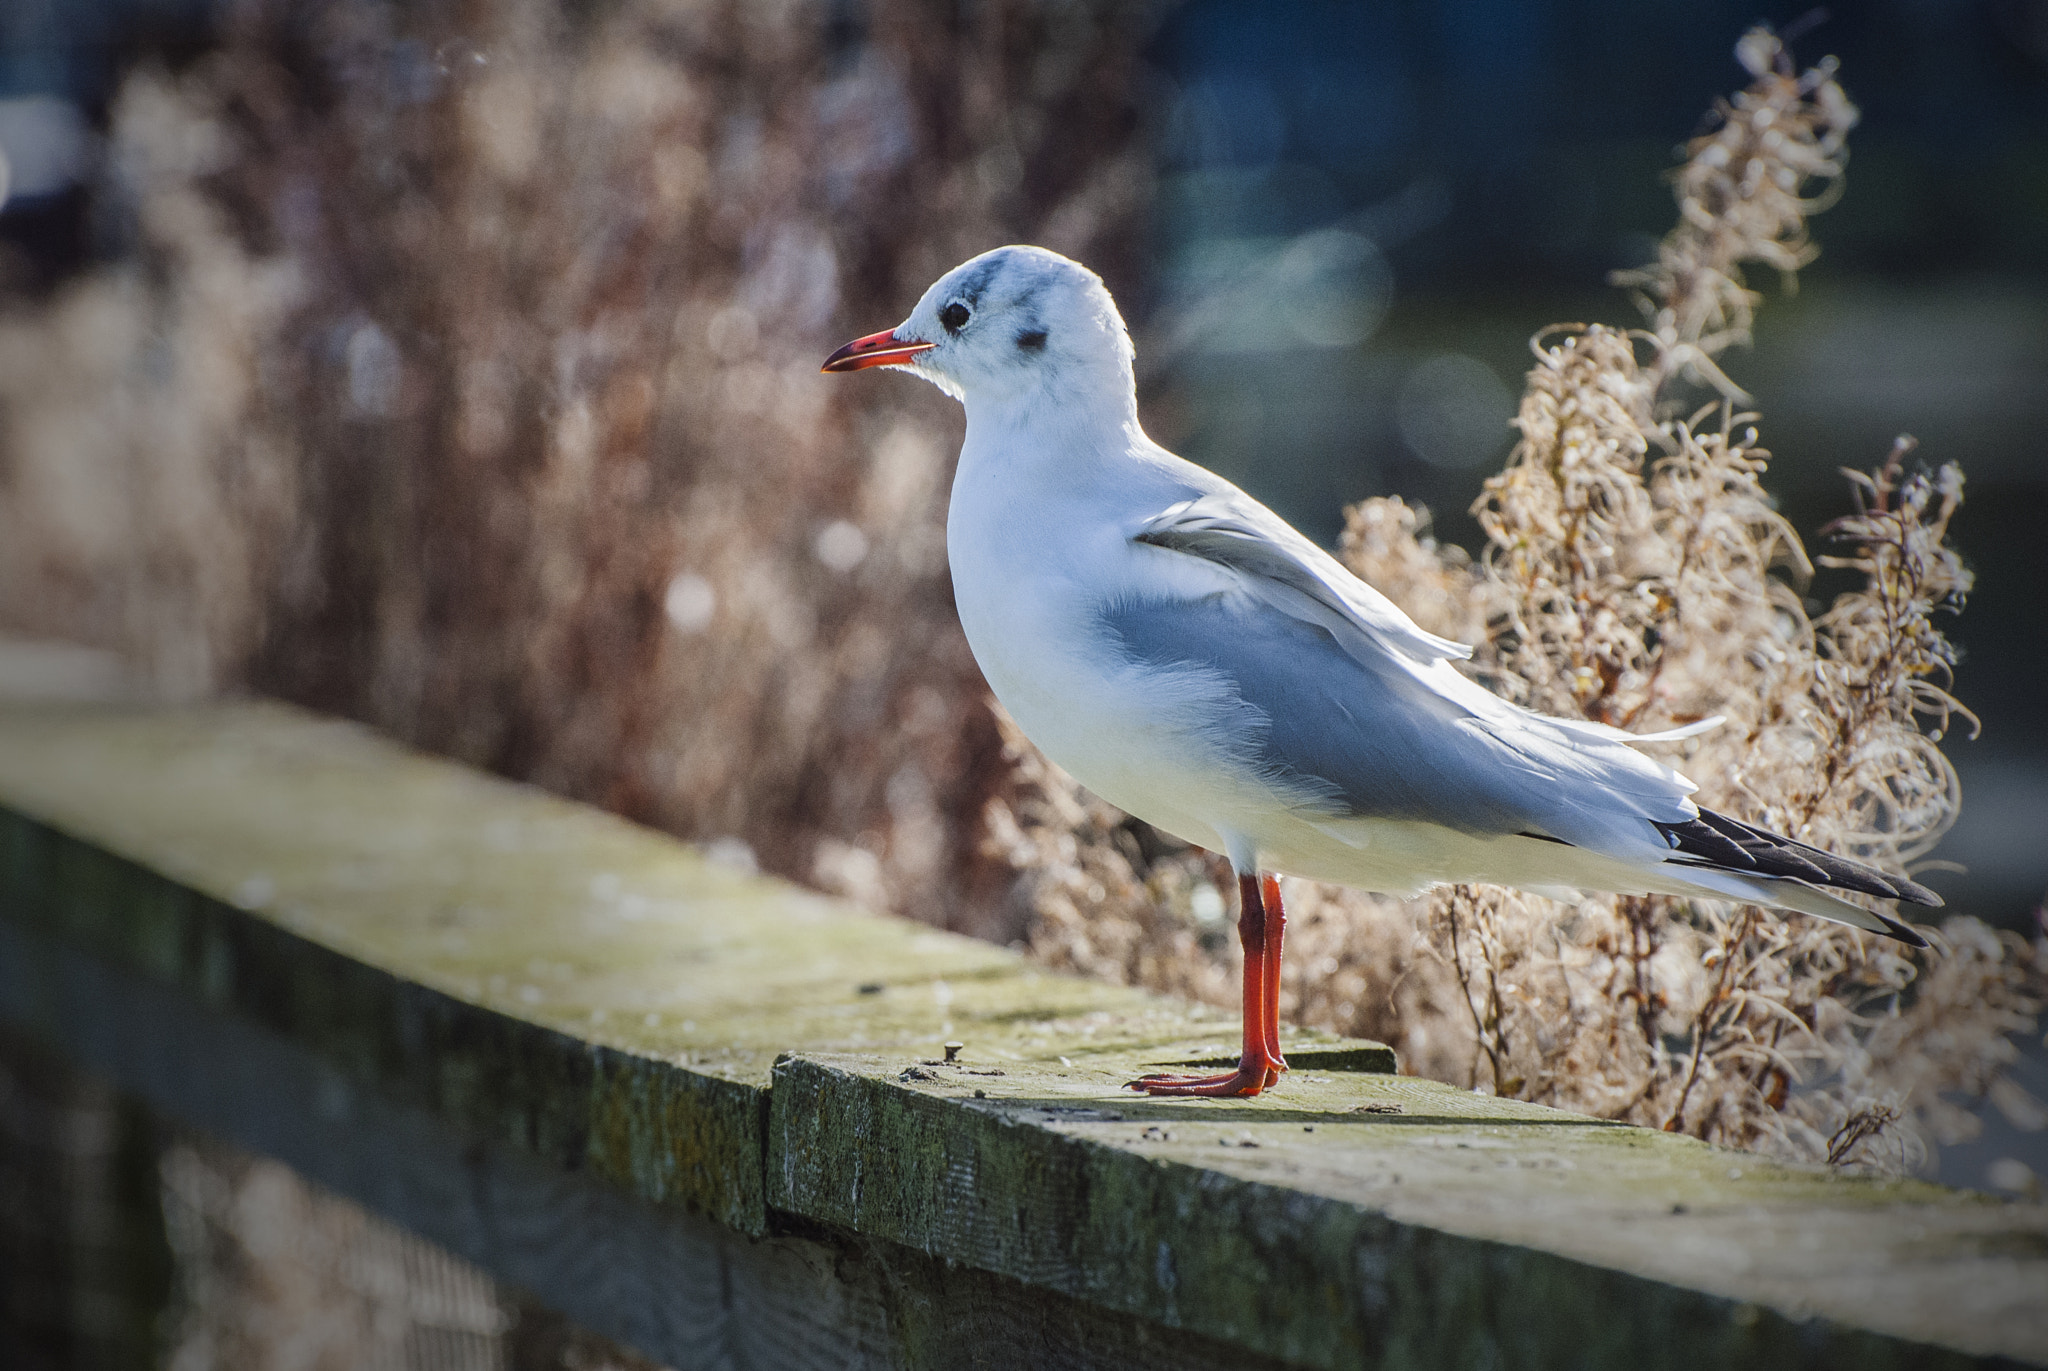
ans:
x=1190 y=657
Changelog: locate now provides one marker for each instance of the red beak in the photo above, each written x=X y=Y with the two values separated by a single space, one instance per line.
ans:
x=876 y=350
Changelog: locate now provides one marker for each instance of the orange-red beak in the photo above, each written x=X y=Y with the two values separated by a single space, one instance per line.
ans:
x=876 y=350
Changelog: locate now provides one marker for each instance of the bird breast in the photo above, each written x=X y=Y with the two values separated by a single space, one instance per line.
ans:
x=1031 y=598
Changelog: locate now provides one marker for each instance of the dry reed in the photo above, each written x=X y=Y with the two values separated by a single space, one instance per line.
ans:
x=463 y=379
x=1636 y=572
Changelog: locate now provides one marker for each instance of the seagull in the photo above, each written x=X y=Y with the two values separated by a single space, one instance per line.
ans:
x=1186 y=654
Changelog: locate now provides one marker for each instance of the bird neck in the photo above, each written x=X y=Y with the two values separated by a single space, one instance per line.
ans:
x=1049 y=454
x=1070 y=421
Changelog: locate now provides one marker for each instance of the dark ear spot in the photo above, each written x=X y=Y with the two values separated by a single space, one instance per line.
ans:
x=1032 y=340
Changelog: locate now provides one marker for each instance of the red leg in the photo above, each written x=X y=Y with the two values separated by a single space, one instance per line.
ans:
x=1276 y=934
x=1260 y=1065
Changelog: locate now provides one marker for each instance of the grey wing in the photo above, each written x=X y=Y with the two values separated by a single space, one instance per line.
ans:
x=1363 y=737
x=1294 y=575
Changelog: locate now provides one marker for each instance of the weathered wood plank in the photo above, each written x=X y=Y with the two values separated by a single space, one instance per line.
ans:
x=686 y=1290
x=1334 y=1237
x=672 y=1136
x=592 y=1006
x=368 y=902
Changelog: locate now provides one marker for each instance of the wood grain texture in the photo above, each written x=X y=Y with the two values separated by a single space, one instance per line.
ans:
x=681 y=1288
x=531 y=969
x=1459 y=1230
x=707 y=1114
x=674 y=1136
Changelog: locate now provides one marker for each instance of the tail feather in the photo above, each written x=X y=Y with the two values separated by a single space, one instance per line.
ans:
x=1807 y=900
x=1785 y=893
x=1719 y=841
x=1734 y=857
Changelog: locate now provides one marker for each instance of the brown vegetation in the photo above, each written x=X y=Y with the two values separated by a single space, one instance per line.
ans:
x=1635 y=572
x=462 y=379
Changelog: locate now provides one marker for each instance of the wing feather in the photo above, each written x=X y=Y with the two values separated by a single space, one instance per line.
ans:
x=1366 y=736
x=1344 y=702
x=1237 y=532
x=1400 y=732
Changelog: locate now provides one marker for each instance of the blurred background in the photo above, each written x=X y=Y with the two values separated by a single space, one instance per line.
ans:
x=452 y=366
x=1334 y=228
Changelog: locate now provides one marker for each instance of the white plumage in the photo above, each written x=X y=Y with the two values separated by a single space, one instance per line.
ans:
x=1193 y=659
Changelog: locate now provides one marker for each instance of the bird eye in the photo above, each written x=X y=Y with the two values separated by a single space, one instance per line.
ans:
x=955 y=317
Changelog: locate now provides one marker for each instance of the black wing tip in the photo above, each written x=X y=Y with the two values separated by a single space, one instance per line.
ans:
x=1716 y=840
x=1912 y=892
x=1699 y=838
x=1904 y=932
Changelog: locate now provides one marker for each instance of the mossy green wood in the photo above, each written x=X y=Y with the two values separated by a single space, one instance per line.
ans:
x=1390 y=1221
x=368 y=902
x=549 y=975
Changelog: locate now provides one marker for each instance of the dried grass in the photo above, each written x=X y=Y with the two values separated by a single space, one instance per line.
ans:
x=1636 y=572
x=463 y=379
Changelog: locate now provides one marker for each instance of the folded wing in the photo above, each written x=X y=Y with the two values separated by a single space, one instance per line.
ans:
x=1333 y=694
x=1286 y=570
x=1351 y=731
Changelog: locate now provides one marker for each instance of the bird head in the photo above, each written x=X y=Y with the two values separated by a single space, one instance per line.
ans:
x=1007 y=326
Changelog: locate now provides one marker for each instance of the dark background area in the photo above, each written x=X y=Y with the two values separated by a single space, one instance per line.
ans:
x=60 y=63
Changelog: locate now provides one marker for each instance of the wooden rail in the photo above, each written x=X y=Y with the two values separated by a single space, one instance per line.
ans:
x=710 y=1115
